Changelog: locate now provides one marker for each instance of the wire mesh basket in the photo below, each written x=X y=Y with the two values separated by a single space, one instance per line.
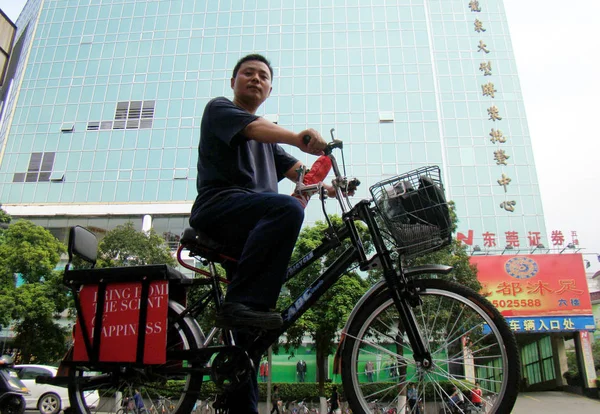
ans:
x=414 y=210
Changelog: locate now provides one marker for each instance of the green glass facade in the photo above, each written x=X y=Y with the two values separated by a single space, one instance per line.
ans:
x=101 y=123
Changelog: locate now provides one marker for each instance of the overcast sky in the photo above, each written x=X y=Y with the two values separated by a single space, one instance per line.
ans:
x=556 y=47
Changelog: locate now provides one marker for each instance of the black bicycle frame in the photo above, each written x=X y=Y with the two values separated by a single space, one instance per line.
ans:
x=354 y=253
x=403 y=298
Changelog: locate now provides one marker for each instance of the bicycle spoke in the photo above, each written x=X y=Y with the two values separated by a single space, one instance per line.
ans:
x=465 y=344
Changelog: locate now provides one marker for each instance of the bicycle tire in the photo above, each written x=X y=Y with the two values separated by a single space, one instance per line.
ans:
x=150 y=380
x=449 y=314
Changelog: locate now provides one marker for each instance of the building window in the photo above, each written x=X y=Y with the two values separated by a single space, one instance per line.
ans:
x=67 y=127
x=180 y=174
x=386 y=116
x=134 y=115
x=537 y=360
x=40 y=168
x=128 y=115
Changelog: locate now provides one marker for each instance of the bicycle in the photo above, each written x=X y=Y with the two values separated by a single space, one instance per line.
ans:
x=380 y=407
x=344 y=408
x=302 y=407
x=162 y=405
x=204 y=407
x=128 y=407
x=295 y=407
x=412 y=315
x=288 y=407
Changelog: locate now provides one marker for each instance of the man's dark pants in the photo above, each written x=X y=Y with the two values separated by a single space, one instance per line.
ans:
x=264 y=227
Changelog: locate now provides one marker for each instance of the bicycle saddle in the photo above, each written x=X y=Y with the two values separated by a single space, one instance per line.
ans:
x=199 y=243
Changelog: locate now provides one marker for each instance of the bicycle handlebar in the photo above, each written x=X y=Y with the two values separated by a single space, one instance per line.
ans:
x=341 y=184
x=336 y=143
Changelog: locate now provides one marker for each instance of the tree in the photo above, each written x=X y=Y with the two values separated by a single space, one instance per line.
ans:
x=455 y=255
x=325 y=319
x=4 y=216
x=28 y=250
x=36 y=311
x=32 y=253
x=574 y=365
x=126 y=246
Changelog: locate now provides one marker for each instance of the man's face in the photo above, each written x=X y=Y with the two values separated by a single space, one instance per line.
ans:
x=253 y=82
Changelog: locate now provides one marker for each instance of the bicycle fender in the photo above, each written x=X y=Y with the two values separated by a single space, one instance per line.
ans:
x=375 y=290
x=191 y=322
x=426 y=269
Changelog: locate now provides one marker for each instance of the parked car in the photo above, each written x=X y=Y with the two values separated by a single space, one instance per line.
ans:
x=48 y=399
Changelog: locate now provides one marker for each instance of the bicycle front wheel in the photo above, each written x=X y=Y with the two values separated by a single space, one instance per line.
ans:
x=468 y=338
x=104 y=389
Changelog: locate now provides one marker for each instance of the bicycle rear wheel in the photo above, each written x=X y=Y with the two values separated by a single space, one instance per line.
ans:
x=93 y=391
x=468 y=338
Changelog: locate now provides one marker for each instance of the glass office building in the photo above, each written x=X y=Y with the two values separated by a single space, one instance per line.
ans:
x=100 y=119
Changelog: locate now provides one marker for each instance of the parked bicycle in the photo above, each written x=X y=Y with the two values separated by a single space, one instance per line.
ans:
x=345 y=408
x=162 y=405
x=433 y=329
x=290 y=407
x=128 y=406
x=296 y=407
x=204 y=407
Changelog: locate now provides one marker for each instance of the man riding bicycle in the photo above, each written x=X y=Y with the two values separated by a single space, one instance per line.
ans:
x=240 y=163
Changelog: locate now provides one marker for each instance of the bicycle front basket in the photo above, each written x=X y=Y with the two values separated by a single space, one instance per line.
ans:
x=414 y=210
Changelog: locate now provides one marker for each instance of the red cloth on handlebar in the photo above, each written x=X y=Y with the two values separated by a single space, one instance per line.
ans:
x=316 y=174
x=318 y=171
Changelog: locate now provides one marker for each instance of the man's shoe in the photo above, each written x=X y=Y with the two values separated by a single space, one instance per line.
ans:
x=237 y=315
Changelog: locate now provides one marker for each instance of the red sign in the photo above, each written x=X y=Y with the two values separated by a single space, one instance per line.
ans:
x=535 y=285
x=120 y=322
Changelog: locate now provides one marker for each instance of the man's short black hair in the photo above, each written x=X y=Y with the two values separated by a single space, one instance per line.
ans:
x=254 y=56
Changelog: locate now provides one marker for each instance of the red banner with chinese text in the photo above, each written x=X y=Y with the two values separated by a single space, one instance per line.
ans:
x=535 y=285
x=120 y=322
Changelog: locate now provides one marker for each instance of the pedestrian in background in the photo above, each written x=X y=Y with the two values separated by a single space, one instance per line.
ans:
x=275 y=400
x=334 y=401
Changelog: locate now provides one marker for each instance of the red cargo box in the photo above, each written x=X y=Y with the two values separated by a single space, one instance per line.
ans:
x=120 y=313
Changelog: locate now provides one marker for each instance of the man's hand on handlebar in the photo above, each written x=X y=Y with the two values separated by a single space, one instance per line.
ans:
x=311 y=142
x=331 y=190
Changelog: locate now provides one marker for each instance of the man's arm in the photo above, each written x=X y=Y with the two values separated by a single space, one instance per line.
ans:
x=265 y=131
x=292 y=173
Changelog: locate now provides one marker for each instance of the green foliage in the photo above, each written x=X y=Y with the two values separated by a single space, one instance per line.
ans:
x=40 y=341
x=28 y=250
x=7 y=304
x=328 y=315
x=454 y=255
x=4 y=216
x=572 y=375
x=126 y=246
x=309 y=391
x=33 y=253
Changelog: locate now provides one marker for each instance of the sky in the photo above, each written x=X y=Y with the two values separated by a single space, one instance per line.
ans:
x=556 y=48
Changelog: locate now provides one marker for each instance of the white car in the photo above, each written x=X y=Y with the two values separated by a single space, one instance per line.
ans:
x=48 y=399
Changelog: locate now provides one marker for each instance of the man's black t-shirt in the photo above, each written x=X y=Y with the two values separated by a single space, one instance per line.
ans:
x=229 y=162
